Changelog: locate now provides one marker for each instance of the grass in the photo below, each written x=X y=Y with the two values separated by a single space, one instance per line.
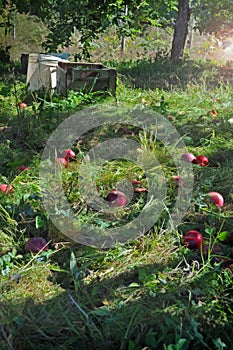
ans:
x=160 y=72
x=150 y=292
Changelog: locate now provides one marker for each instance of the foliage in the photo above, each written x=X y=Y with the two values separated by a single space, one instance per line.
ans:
x=212 y=16
x=160 y=72
x=82 y=23
x=90 y=18
x=19 y=33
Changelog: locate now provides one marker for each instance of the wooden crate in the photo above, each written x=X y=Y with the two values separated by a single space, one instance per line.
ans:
x=85 y=76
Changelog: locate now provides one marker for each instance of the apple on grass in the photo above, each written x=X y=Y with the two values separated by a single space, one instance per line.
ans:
x=212 y=113
x=6 y=188
x=193 y=239
x=216 y=199
x=188 y=157
x=140 y=189
x=35 y=244
x=68 y=154
x=215 y=250
x=136 y=182
x=201 y=160
x=177 y=179
x=170 y=117
x=62 y=162
x=22 y=105
x=229 y=266
x=22 y=168
x=116 y=198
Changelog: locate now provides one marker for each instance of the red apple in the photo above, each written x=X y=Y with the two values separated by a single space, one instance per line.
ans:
x=212 y=112
x=35 y=244
x=22 y=105
x=216 y=198
x=128 y=132
x=177 y=179
x=6 y=188
x=230 y=239
x=136 y=182
x=193 y=239
x=68 y=154
x=116 y=198
x=188 y=157
x=201 y=160
x=62 y=162
x=23 y=167
x=230 y=267
x=216 y=250
x=170 y=117
x=216 y=253
x=140 y=189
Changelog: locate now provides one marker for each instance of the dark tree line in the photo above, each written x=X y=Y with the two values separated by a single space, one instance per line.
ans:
x=90 y=17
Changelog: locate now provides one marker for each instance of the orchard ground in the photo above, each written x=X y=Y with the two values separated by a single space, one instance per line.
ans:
x=149 y=293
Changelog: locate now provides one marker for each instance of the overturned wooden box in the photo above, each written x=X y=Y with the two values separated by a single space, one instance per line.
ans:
x=85 y=76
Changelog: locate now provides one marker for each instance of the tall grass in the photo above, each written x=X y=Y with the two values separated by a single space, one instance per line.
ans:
x=151 y=292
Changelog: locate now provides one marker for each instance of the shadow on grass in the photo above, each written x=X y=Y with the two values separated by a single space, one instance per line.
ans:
x=165 y=74
x=143 y=308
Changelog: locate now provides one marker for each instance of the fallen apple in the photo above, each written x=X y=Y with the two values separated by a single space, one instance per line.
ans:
x=6 y=188
x=35 y=244
x=188 y=157
x=215 y=250
x=201 y=160
x=170 y=117
x=136 y=182
x=212 y=112
x=22 y=105
x=62 y=162
x=140 y=189
x=193 y=239
x=128 y=132
x=116 y=198
x=230 y=239
x=22 y=168
x=68 y=154
x=230 y=267
x=178 y=180
x=216 y=199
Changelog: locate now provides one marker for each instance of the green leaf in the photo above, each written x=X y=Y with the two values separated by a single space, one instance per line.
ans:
x=210 y=231
x=222 y=236
x=102 y=311
x=39 y=222
x=219 y=344
x=57 y=269
x=150 y=339
x=133 y=285
x=73 y=266
x=188 y=140
x=182 y=344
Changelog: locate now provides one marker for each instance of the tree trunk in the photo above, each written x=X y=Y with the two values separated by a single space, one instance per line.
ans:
x=181 y=29
x=191 y=32
x=123 y=37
